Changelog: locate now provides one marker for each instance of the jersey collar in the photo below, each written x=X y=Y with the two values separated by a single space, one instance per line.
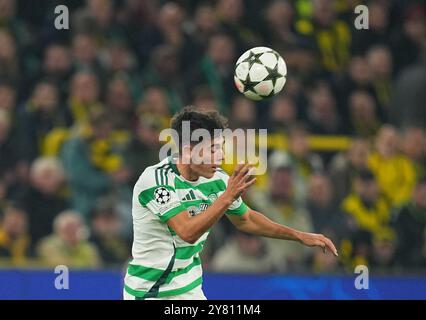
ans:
x=172 y=162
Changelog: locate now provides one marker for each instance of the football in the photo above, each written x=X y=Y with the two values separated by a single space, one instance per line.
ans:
x=260 y=73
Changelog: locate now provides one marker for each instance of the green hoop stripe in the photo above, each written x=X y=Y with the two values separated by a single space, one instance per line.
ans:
x=153 y=292
x=168 y=293
x=152 y=274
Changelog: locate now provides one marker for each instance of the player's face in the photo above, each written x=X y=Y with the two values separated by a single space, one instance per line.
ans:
x=209 y=157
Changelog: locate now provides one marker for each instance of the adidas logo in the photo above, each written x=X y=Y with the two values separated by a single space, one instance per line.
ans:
x=189 y=196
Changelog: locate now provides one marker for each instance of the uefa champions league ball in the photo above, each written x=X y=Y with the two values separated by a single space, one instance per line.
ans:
x=260 y=73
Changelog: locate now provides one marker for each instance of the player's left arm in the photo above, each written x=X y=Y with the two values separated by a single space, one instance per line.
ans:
x=256 y=223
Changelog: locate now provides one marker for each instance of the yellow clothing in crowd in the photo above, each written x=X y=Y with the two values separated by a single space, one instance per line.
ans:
x=333 y=42
x=374 y=219
x=395 y=176
x=54 y=251
x=14 y=250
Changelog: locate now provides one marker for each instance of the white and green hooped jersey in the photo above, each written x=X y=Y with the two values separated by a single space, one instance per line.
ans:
x=163 y=264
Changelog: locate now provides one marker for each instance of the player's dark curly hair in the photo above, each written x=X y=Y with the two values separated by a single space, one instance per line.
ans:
x=198 y=119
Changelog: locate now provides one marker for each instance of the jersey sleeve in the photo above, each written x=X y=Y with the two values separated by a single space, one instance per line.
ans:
x=161 y=199
x=238 y=207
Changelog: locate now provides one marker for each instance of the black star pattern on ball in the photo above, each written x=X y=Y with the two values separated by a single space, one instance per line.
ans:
x=253 y=58
x=273 y=74
x=249 y=85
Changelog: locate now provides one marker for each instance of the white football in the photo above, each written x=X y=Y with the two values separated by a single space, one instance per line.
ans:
x=260 y=73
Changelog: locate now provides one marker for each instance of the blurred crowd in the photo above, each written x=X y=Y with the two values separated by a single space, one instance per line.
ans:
x=81 y=111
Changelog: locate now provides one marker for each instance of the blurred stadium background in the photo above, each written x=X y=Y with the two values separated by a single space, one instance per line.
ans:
x=81 y=110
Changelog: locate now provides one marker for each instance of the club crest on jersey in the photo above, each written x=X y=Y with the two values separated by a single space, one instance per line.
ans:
x=212 y=197
x=194 y=210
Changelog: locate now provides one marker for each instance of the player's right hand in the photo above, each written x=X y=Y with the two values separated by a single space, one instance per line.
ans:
x=318 y=240
x=239 y=181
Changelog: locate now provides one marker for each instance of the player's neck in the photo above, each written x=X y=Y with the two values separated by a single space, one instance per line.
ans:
x=186 y=172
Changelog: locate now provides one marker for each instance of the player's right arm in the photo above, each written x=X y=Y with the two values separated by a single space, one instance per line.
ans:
x=190 y=229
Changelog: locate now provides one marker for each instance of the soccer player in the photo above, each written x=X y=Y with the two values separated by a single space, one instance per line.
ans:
x=178 y=200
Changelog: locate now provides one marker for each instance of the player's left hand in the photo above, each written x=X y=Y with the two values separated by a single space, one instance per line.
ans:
x=318 y=240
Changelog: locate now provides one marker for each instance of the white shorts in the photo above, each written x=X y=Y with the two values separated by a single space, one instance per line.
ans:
x=194 y=294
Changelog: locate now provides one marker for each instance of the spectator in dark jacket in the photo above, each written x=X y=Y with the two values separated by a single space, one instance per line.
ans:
x=40 y=114
x=106 y=225
x=410 y=225
x=42 y=201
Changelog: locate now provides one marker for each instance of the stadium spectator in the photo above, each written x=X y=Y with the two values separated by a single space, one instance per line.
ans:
x=345 y=166
x=323 y=209
x=216 y=69
x=383 y=254
x=414 y=147
x=359 y=73
x=303 y=161
x=14 y=237
x=97 y=18
x=56 y=67
x=84 y=98
x=136 y=15
x=410 y=36
x=68 y=245
x=84 y=53
x=106 y=236
x=7 y=146
x=205 y=25
x=9 y=61
x=13 y=22
x=394 y=171
x=164 y=71
x=368 y=211
x=331 y=35
x=282 y=115
x=119 y=59
x=322 y=114
x=8 y=99
x=94 y=163
x=243 y=114
x=363 y=114
x=409 y=92
x=357 y=77
x=379 y=60
x=410 y=226
x=144 y=146
x=40 y=114
x=279 y=18
x=119 y=101
x=168 y=31
x=231 y=15
x=43 y=200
